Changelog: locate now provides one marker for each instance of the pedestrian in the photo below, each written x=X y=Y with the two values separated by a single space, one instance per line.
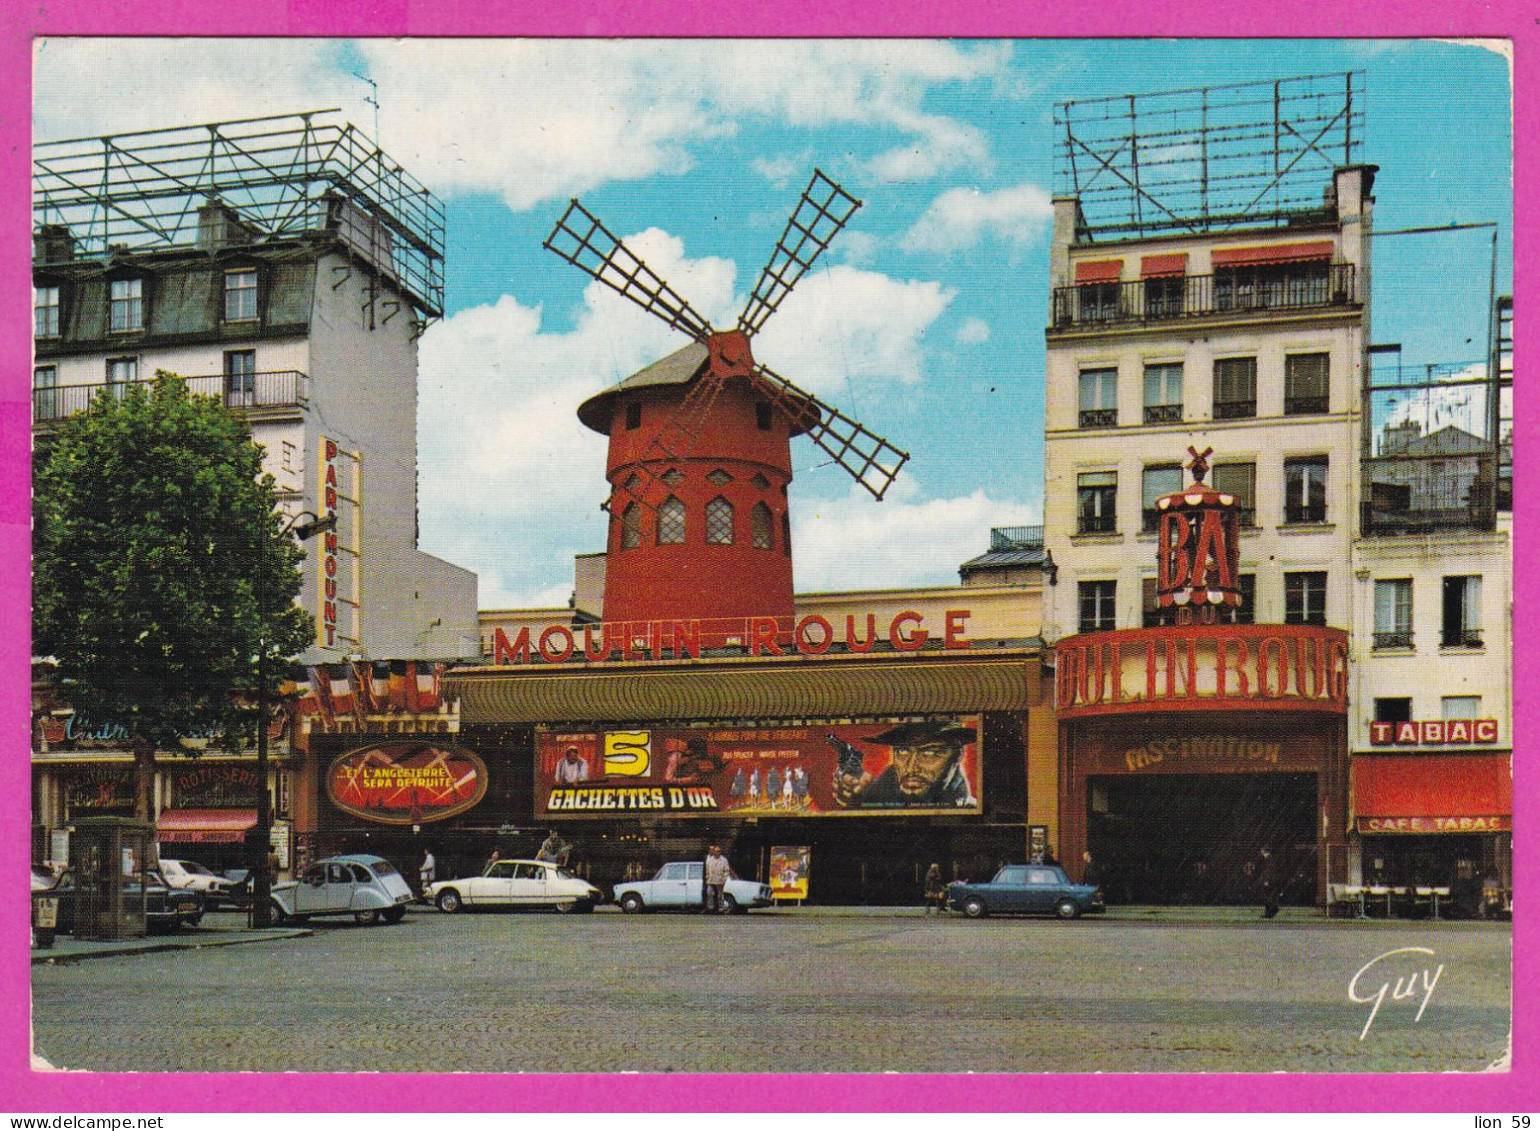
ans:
x=427 y=871
x=493 y=859
x=1049 y=858
x=717 y=873
x=1267 y=884
x=1090 y=870
x=554 y=849
x=935 y=890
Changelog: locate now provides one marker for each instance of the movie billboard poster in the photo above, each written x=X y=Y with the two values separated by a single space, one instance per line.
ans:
x=406 y=782
x=931 y=765
x=791 y=868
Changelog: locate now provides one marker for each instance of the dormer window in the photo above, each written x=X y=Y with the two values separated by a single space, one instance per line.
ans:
x=45 y=310
x=125 y=305
x=241 y=295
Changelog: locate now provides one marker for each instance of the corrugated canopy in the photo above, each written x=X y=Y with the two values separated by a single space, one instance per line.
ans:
x=833 y=687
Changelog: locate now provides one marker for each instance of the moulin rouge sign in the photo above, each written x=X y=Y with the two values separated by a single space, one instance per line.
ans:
x=758 y=636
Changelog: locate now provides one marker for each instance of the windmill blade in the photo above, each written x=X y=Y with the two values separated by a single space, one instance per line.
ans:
x=588 y=245
x=823 y=210
x=872 y=461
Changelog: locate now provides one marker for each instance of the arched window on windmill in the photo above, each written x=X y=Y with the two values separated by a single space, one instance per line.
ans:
x=719 y=522
x=631 y=527
x=786 y=533
x=762 y=526
x=671 y=522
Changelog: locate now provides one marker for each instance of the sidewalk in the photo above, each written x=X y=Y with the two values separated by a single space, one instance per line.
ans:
x=67 y=948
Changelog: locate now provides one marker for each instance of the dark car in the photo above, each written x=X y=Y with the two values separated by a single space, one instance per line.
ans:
x=1025 y=889
x=166 y=908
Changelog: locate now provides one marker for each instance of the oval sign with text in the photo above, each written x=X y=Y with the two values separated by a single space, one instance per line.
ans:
x=406 y=783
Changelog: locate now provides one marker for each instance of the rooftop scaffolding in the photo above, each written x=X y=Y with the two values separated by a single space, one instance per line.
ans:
x=1255 y=154
x=282 y=176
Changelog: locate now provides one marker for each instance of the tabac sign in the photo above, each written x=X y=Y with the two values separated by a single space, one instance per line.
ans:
x=406 y=783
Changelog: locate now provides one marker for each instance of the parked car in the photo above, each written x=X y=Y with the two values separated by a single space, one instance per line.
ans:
x=42 y=877
x=366 y=887
x=193 y=876
x=516 y=883
x=1025 y=889
x=681 y=886
x=166 y=908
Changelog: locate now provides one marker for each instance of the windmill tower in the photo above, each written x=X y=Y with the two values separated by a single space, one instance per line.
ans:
x=700 y=442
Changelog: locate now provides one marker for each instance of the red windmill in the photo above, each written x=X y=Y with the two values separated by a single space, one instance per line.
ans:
x=700 y=442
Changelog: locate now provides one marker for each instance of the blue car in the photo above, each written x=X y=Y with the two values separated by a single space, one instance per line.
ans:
x=1026 y=889
x=682 y=887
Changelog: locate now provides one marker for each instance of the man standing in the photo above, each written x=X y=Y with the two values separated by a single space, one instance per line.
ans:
x=1267 y=884
x=428 y=869
x=717 y=873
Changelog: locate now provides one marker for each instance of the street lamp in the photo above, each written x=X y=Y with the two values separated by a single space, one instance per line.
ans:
x=262 y=835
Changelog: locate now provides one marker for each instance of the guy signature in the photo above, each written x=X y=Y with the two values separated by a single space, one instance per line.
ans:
x=1421 y=981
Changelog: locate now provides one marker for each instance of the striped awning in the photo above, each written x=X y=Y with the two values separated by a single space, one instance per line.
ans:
x=1098 y=270
x=839 y=687
x=1272 y=253
x=204 y=826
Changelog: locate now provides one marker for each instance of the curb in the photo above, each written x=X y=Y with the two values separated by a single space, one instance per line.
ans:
x=61 y=956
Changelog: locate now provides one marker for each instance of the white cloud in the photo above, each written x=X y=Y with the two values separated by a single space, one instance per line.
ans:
x=973 y=331
x=847 y=542
x=964 y=217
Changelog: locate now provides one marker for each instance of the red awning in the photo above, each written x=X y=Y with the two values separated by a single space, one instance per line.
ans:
x=1098 y=271
x=1433 y=793
x=1272 y=253
x=1155 y=266
x=204 y=826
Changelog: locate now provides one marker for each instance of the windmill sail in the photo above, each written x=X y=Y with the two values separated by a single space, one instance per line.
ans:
x=824 y=209
x=871 y=461
x=588 y=245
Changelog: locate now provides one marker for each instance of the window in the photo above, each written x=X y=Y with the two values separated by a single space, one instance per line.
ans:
x=719 y=478
x=1098 y=398
x=1098 y=502
x=1163 y=394
x=1150 y=611
x=761 y=523
x=1165 y=479
x=671 y=522
x=121 y=372
x=1235 y=388
x=240 y=377
x=633 y=416
x=289 y=452
x=1304 y=489
x=45 y=392
x=631 y=527
x=1246 y=612
x=241 y=295
x=762 y=417
x=1265 y=286
x=1163 y=296
x=1240 y=480
x=1461 y=706
x=1462 y=613
x=786 y=533
x=1393 y=613
x=719 y=522
x=125 y=305
x=1098 y=301
x=760 y=481
x=1304 y=597
x=1098 y=605
x=1306 y=386
x=1397 y=709
x=673 y=477
x=45 y=311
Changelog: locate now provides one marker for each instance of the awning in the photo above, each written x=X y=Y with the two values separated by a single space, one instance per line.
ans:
x=1433 y=793
x=1159 y=266
x=1098 y=271
x=848 y=687
x=1272 y=253
x=204 y=826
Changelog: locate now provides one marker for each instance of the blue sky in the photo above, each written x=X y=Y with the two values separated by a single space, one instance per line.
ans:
x=926 y=319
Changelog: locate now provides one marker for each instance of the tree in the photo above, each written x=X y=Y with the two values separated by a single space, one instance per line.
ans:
x=152 y=523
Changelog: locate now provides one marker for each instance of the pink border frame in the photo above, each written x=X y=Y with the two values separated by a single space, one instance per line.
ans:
x=23 y=1091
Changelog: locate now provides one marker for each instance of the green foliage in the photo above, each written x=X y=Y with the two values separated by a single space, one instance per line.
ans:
x=152 y=521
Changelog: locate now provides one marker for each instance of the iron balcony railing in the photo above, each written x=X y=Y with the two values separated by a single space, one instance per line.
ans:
x=1397 y=639
x=1462 y=638
x=1235 y=410
x=281 y=388
x=1230 y=292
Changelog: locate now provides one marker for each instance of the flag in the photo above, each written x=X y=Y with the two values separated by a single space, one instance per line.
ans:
x=427 y=687
x=379 y=686
x=399 y=686
x=343 y=700
x=309 y=692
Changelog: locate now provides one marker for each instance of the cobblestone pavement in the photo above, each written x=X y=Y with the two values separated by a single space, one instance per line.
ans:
x=789 y=992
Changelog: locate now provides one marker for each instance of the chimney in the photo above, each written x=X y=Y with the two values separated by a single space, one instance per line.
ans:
x=53 y=243
x=219 y=226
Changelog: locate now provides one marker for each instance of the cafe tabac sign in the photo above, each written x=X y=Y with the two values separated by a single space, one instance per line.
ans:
x=406 y=782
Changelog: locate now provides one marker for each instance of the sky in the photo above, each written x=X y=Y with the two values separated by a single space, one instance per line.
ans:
x=924 y=320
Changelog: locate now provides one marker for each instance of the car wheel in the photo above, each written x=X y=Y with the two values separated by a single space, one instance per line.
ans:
x=449 y=901
x=366 y=918
x=730 y=905
x=974 y=908
x=631 y=903
x=393 y=914
x=194 y=920
x=1068 y=909
x=282 y=918
x=568 y=907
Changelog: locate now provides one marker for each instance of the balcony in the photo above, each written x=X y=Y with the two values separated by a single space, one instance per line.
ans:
x=1305 y=406
x=1145 y=301
x=1098 y=418
x=1460 y=638
x=1235 y=410
x=1388 y=640
x=1303 y=513
x=247 y=392
x=1162 y=414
